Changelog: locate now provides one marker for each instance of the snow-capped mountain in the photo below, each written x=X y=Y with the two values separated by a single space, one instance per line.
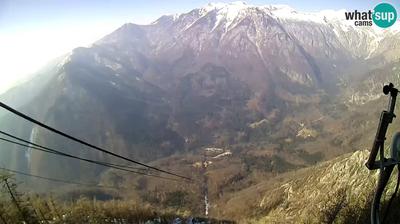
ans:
x=269 y=39
x=229 y=15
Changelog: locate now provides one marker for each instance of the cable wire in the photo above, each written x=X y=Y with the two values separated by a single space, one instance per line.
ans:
x=48 y=150
x=57 y=151
x=57 y=180
x=12 y=110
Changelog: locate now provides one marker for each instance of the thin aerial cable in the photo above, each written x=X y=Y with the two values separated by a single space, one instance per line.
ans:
x=63 y=154
x=59 y=152
x=12 y=110
x=57 y=180
x=87 y=160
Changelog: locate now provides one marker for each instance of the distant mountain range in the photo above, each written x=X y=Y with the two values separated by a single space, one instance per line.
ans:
x=218 y=76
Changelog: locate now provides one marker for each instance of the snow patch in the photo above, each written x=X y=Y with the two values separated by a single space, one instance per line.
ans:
x=65 y=60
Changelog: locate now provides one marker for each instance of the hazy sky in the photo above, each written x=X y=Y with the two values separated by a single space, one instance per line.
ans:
x=32 y=32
